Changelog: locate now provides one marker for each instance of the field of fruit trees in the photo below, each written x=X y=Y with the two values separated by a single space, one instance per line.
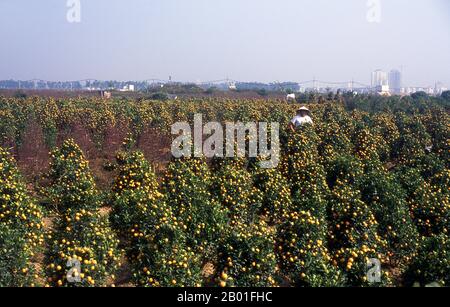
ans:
x=369 y=181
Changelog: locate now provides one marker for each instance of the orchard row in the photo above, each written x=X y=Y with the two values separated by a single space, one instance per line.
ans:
x=357 y=186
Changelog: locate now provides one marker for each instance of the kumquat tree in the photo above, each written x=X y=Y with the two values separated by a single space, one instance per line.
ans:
x=21 y=227
x=155 y=239
x=83 y=249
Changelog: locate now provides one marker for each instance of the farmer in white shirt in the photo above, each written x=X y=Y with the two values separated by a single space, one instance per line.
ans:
x=303 y=117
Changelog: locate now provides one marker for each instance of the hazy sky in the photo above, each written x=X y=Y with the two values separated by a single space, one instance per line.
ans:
x=248 y=40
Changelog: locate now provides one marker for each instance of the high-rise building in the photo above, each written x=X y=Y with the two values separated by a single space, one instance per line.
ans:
x=439 y=88
x=379 y=78
x=395 y=81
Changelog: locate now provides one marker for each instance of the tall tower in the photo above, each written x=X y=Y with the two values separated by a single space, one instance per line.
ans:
x=379 y=78
x=395 y=81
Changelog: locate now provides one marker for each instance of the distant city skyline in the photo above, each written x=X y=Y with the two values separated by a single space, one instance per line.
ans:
x=383 y=83
x=201 y=40
x=392 y=78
